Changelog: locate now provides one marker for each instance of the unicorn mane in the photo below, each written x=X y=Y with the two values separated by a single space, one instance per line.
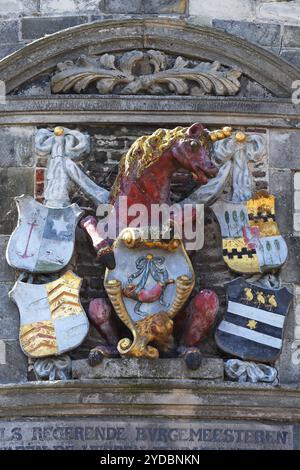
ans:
x=145 y=151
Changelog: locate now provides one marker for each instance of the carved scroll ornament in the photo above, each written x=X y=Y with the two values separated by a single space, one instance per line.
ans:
x=148 y=72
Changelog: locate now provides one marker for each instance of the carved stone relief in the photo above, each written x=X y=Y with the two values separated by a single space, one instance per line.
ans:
x=151 y=72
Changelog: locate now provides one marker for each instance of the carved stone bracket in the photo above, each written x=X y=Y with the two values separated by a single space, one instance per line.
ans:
x=150 y=72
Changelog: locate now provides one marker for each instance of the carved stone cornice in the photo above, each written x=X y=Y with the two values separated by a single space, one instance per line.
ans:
x=112 y=73
x=88 y=109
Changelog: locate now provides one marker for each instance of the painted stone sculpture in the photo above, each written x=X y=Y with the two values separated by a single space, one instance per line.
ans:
x=150 y=279
x=145 y=173
x=101 y=317
x=147 y=288
x=197 y=318
x=242 y=372
x=63 y=147
x=250 y=236
x=253 y=326
x=52 y=319
x=149 y=276
x=44 y=239
x=251 y=239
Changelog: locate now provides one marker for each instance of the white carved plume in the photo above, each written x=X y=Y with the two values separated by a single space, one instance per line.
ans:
x=63 y=146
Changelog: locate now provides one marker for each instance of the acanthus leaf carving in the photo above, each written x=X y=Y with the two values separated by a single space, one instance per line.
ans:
x=121 y=75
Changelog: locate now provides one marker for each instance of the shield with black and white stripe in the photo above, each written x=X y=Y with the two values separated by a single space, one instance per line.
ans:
x=253 y=326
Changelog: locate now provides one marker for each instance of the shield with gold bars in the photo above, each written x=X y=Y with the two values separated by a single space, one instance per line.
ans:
x=251 y=239
x=52 y=319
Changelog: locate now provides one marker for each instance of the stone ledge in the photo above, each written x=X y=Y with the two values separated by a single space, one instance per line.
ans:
x=210 y=369
x=191 y=399
x=135 y=109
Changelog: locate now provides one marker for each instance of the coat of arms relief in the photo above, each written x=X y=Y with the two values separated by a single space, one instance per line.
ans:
x=150 y=278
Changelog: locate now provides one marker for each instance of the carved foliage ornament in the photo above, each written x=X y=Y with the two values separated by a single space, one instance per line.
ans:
x=148 y=72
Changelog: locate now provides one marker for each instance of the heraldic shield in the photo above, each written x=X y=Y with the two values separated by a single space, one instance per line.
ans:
x=151 y=278
x=43 y=240
x=251 y=239
x=253 y=326
x=52 y=319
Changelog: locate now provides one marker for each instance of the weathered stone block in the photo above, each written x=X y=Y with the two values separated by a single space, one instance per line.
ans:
x=119 y=6
x=284 y=149
x=297 y=200
x=13 y=8
x=263 y=34
x=297 y=318
x=166 y=6
x=9 y=315
x=162 y=432
x=281 y=186
x=2 y=352
x=139 y=6
x=9 y=31
x=13 y=182
x=297 y=181
x=297 y=222
x=291 y=36
x=289 y=371
x=34 y=28
x=56 y=7
x=292 y=56
x=6 y=272
x=290 y=272
x=241 y=9
x=15 y=368
x=297 y=332
x=9 y=49
x=17 y=146
x=280 y=11
x=297 y=294
x=211 y=368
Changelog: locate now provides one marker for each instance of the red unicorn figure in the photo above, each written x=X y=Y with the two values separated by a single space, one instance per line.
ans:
x=145 y=174
x=144 y=177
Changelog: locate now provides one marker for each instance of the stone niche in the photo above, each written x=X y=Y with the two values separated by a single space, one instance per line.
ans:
x=116 y=81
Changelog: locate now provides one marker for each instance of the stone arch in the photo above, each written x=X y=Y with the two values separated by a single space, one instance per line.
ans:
x=172 y=36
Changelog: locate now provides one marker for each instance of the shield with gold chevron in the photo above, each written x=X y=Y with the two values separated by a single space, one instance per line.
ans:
x=253 y=326
x=251 y=239
x=52 y=319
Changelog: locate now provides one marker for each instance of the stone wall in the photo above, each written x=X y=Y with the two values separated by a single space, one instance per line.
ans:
x=16 y=177
x=135 y=394
x=274 y=25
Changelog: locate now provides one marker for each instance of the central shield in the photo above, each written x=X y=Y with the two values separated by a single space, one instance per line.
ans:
x=43 y=240
x=52 y=319
x=150 y=277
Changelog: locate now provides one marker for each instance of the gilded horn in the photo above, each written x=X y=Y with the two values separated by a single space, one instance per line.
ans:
x=184 y=287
